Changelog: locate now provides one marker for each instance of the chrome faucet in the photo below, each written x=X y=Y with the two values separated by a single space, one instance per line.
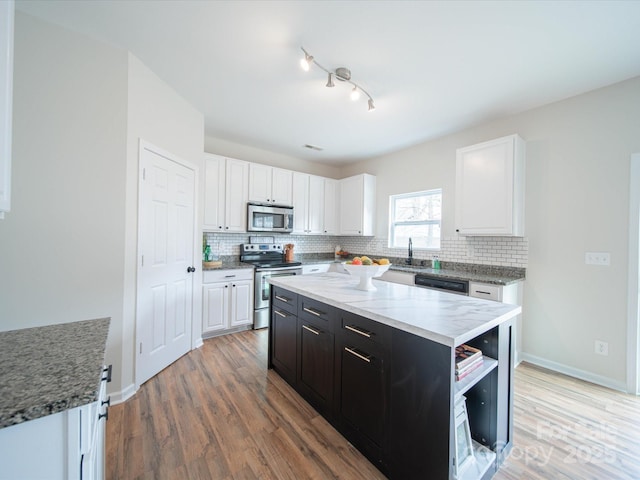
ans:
x=410 y=259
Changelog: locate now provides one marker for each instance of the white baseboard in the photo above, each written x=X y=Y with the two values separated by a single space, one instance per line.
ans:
x=123 y=395
x=198 y=343
x=573 y=372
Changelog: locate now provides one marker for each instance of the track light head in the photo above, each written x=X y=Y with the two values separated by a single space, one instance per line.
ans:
x=330 y=83
x=355 y=94
x=305 y=62
x=371 y=105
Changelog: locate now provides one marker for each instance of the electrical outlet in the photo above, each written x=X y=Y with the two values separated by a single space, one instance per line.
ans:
x=597 y=258
x=602 y=348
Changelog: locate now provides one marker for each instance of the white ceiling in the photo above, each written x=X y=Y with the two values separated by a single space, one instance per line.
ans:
x=432 y=67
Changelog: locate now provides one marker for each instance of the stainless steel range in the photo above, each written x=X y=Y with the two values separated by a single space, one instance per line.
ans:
x=268 y=259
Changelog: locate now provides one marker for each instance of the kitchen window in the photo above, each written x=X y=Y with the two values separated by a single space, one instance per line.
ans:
x=417 y=216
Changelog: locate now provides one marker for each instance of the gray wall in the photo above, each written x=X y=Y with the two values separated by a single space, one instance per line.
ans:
x=577 y=200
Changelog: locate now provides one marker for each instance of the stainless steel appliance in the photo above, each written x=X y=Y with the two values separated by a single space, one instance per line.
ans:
x=269 y=218
x=268 y=260
x=452 y=286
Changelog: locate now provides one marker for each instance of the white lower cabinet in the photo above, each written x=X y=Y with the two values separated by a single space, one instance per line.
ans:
x=395 y=276
x=227 y=297
x=512 y=294
x=315 y=268
x=68 y=445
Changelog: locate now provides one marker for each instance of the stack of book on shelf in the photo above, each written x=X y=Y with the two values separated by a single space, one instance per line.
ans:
x=468 y=359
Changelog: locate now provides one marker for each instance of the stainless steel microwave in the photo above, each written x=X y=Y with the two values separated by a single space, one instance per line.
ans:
x=269 y=218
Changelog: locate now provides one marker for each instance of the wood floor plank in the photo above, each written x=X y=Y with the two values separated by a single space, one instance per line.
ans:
x=219 y=414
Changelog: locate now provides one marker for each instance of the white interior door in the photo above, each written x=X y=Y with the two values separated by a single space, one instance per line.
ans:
x=165 y=247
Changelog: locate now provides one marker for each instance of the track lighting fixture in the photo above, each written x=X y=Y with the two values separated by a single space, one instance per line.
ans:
x=342 y=74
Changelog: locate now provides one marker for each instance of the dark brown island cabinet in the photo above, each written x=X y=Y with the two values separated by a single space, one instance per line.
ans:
x=392 y=393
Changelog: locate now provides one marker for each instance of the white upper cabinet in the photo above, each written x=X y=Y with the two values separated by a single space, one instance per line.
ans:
x=6 y=98
x=308 y=204
x=490 y=188
x=330 y=206
x=226 y=193
x=357 y=205
x=270 y=184
x=316 y=205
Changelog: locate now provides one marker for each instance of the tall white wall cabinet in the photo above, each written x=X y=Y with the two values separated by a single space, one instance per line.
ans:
x=7 y=9
x=490 y=188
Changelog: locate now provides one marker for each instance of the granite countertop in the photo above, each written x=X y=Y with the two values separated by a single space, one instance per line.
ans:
x=46 y=370
x=445 y=318
x=228 y=264
x=483 y=274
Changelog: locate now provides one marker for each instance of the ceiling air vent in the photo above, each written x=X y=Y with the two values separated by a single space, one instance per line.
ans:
x=313 y=147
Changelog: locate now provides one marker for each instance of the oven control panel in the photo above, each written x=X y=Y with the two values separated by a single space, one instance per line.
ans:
x=261 y=247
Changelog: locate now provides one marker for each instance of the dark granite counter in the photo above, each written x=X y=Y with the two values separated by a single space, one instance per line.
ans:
x=46 y=370
x=229 y=262
x=489 y=274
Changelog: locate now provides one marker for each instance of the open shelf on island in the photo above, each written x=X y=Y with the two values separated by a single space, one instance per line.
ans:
x=484 y=459
x=470 y=380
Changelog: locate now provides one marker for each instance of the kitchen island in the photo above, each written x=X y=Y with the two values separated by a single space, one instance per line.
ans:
x=380 y=366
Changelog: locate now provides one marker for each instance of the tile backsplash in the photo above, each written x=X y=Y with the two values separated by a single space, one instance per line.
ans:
x=502 y=251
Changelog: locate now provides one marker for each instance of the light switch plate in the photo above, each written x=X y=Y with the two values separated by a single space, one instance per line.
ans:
x=597 y=258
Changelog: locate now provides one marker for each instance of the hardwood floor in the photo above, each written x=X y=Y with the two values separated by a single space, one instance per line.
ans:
x=217 y=413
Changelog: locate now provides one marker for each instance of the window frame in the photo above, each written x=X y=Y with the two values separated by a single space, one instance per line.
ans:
x=393 y=223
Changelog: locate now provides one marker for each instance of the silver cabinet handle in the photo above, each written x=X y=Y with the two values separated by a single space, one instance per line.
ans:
x=315 y=332
x=313 y=312
x=278 y=312
x=282 y=299
x=229 y=276
x=480 y=291
x=360 y=356
x=358 y=331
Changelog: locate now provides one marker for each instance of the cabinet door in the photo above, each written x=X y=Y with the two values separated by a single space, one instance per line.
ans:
x=214 y=192
x=215 y=307
x=237 y=195
x=330 y=206
x=241 y=302
x=363 y=396
x=6 y=88
x=284 y=328
x=260 y=183
x=300 y=202
x=351 y=206
x=315 y=365
x=316 y=204
x=490 y=187
x=357 y=205
x=281 y=184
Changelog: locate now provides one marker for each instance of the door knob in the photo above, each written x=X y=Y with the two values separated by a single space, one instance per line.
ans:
x=191 y=269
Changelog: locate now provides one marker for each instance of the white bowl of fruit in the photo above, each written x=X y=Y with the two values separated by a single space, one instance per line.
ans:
x=366 y=268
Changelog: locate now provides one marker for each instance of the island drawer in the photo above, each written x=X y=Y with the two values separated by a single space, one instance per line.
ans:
x=285 y=300
x=316 y=312
x=364 y=328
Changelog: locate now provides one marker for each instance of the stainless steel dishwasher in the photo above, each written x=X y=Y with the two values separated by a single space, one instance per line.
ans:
x=461 y=287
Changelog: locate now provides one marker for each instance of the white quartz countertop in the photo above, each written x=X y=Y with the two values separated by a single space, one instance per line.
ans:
x=445 y=318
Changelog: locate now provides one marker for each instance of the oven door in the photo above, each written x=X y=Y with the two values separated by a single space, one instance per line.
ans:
x=262 y=287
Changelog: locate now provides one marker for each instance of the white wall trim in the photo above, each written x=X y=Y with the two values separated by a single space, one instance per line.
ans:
x=123 y=395
x=574 y=372
x=633 y=313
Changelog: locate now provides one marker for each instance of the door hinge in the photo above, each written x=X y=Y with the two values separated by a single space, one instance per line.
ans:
x=142 y=260
x=144 y=174
x=140 y=348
